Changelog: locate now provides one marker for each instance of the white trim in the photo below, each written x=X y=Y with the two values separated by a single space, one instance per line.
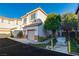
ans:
x=33 y=11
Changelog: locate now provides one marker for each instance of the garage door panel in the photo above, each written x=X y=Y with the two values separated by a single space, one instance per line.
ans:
x=31 y=34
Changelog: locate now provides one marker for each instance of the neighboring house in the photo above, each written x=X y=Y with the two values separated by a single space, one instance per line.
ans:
x=33 y=24
x=7 y=25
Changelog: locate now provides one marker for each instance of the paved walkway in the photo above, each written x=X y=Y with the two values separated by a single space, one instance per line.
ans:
x=61 y=46
x=25 y=41
x=62 y=49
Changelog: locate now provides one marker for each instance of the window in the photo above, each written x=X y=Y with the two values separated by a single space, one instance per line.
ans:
x=25 y=19
x=33 y=16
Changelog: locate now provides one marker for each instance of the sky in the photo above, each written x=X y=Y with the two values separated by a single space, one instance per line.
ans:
x=16 y=10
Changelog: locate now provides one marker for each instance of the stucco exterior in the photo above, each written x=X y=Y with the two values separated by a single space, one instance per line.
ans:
x=7 y=25
x=40 y=17
x=31 y=22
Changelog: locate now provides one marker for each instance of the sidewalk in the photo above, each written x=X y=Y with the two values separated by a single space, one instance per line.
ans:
x=26 y=41
x=62 y=49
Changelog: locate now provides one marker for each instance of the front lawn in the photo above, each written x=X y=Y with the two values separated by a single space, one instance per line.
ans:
x=44 y=45
x=41 y=39
x=40 y=45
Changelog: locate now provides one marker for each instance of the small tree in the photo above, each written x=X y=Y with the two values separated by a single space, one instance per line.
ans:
x=52 y=23
x=69 y=23
x=20 y=34
x=11 y=34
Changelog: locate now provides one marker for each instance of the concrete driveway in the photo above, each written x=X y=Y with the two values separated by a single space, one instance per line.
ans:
x=10 y=47
x=26 y=41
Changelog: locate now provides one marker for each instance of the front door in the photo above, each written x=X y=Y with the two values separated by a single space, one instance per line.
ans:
x=31 y=34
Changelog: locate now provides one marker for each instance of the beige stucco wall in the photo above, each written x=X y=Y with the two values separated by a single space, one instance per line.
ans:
x=41 y=15
x=39 y=30
x=31 y=28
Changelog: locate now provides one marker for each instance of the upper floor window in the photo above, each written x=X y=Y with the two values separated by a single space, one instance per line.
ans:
x=33 y=16
x=25 y=19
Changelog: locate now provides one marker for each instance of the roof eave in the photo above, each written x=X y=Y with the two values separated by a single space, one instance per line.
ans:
x=33 y=11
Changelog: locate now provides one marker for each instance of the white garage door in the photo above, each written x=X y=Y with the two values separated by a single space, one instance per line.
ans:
x=31 y=34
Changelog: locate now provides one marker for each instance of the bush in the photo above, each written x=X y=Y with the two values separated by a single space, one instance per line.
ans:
x=77 y=50
x=73 y=45
x=11 y=34
x=20 y=35
x=41 y=39
x=77 y=34
x=72 y=34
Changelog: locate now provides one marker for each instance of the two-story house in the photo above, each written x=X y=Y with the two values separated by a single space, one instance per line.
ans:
x=33 y=24
x=7 y=25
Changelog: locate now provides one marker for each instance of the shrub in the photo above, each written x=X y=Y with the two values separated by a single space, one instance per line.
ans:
x=72 y=34
x=77 y=34
x=41 y=39
x=20 y=35
x=11 y=34
x=73 y=45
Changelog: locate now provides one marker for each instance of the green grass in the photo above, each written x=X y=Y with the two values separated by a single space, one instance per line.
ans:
x=40 y=45
x=41 y=39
